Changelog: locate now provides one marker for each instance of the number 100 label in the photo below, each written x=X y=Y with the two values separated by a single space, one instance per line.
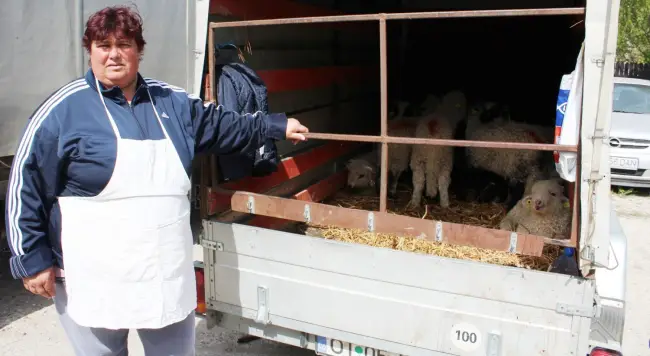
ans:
x=466 y=337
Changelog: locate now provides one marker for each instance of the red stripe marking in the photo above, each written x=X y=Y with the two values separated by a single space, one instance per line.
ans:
x=280 y=80
x=314 y=193
x=265 y=9
x=558 y=133
x=289 y=168
x=433 y=127
x=535 y=138
x=277 y=9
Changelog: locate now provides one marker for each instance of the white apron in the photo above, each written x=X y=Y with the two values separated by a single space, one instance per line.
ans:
x=128 y=251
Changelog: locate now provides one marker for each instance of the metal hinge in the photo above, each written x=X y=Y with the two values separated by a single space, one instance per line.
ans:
x=371 y=222
x=588 y=253
x=307 y=214
x=599 y=61
x=494 y=344
x=251 y=205
x=212 y=245
x=262 y=316
x=512 y=248
x=438 y=231
x=575 y=310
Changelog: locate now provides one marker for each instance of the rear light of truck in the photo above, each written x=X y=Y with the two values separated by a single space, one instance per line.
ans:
x=201 y=308
x=603 y=352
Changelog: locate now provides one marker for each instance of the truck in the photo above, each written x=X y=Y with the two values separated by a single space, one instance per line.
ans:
x=336 y=66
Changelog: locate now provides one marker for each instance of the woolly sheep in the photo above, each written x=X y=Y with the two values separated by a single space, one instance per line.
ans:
x=399 y=155
x=544 y=212
x=362 y=170
x=518 y=166
x=476 y=184
x=432 y=165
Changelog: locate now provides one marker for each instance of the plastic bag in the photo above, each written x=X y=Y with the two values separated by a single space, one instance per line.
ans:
x=567 y=119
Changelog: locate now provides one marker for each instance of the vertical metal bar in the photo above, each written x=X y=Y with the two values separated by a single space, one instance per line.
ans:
x=211 y=95
x=383 y=67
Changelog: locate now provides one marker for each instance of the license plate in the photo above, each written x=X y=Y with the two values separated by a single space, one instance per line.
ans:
x=334 y=347
x=630 y=164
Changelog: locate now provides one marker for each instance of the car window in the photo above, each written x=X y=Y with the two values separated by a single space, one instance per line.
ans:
x=631 y=98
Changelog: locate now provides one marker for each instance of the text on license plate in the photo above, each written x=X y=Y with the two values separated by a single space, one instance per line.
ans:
x=624 y=163
x=334 y=347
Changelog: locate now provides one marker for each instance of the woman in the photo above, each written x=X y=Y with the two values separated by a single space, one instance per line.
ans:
x=101 y=176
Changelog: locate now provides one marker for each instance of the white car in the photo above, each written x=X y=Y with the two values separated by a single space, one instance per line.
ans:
x=629 y=136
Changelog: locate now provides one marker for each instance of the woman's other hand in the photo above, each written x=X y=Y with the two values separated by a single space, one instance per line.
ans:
x=295 y=131
x=42 y=283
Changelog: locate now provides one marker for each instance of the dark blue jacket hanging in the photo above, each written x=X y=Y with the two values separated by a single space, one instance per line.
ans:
x=240 y=89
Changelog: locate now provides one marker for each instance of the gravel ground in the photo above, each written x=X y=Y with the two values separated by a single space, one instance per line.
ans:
x=29 y=326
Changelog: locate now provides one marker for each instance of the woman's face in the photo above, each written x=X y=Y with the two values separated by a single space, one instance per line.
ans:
x=115 y=61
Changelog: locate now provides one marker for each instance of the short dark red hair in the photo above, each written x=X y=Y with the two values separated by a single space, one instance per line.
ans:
x=119 y=21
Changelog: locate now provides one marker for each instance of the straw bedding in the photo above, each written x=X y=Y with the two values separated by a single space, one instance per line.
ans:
x=486 y=215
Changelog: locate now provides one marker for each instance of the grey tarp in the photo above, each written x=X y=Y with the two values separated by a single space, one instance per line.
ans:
x=40 y=51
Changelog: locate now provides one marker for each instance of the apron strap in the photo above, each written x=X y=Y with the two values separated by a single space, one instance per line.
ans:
x=110 y=117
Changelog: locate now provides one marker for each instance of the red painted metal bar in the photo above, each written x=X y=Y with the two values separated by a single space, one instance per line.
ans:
x=281 y=80
x=290 y=168
x=315 y=193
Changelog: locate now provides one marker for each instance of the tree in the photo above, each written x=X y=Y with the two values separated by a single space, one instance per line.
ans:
x=634 y=31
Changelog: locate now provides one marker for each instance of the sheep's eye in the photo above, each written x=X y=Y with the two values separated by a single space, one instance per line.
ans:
x=553 y=194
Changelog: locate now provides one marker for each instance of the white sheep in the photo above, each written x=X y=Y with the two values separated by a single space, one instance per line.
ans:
x=519 y=166
x=543 y=212
x=362 y=170
x=432 y=165
x=399 y=155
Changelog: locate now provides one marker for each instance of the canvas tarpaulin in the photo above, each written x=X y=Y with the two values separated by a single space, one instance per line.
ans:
x=41 y=51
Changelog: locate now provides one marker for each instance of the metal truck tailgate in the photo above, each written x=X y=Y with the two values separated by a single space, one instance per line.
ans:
x=393 y=300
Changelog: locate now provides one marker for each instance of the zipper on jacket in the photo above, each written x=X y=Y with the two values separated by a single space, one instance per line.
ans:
x=130 y=105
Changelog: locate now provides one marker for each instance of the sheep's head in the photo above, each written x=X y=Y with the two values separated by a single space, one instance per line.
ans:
x=429 y=104
x=361 y=173
x=454 y=105
x=547 y=197
x=488 y=111
x=475 y=112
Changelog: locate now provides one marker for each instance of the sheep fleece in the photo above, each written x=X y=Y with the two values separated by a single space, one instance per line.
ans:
x=432 y=164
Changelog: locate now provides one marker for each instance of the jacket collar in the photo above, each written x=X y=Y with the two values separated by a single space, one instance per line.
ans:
x=115 y=93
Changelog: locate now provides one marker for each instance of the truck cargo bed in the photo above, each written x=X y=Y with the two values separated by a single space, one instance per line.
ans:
x=359 y=293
